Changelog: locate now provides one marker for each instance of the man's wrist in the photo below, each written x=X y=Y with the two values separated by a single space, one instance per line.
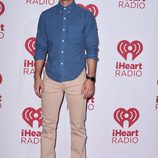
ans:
x=90 y=77
x=37 y=76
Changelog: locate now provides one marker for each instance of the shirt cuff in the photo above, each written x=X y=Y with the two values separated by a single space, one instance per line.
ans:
x=92 y=54
x=39 y=55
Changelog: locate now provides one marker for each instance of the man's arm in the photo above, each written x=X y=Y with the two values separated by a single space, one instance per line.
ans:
x=92 y=64
x=38 y=83
x=89 y=86
x=40 y=54
x=91 y=43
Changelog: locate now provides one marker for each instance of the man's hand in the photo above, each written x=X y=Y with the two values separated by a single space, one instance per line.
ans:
x=38 y=87
x=38 y=83
x=88 y=89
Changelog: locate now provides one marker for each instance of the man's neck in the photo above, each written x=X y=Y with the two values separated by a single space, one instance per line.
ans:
x=65 y=3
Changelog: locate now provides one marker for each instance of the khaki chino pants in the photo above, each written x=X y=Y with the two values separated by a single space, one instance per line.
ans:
x=52 y=97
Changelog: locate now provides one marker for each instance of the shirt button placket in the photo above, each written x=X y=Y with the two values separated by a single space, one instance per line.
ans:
x=63 y=29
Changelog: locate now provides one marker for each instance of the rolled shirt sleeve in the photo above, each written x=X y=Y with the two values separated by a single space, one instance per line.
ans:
x=41 y=40
x=91 y=37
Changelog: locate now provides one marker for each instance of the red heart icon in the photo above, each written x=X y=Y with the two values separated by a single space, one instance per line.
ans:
x=2 y=8
x=1 y=79
x=131 y=115
x=124 y=47
x=30 y=115
x=91 y=7
x=30 y=45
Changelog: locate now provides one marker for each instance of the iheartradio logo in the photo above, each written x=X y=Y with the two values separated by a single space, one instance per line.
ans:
x=121 y=115
x=90 y=103
x=30 y=45
x=156 y=105
x=0 y=101
x=40 y=2
x=92 y=8
x=132 y=4
x=30 y=115
x=2 y=8
x=124 y=47
x=1 y=79
x=124 y=69
x=0 y=94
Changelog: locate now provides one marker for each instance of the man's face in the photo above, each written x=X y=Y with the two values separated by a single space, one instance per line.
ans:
x=66 y=0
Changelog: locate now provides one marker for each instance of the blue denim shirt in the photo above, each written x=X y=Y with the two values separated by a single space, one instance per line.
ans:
x=69 y=36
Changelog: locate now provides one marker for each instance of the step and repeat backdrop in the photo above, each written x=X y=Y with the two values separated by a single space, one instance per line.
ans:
x=122 y=116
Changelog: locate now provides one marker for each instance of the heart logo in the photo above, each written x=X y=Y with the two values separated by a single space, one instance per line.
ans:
x=30 y=115
x=91 y=7
x=131 y=115
x=1 y=79
x=124 y=47
x=30 y=45
x=2 y=8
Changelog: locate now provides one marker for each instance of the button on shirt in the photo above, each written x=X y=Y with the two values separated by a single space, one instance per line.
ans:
x=68 y=35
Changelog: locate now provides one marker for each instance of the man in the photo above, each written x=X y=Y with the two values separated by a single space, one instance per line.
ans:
x=64 y=32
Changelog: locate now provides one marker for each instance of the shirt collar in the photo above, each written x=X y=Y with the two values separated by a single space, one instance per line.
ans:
x=68 y=8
